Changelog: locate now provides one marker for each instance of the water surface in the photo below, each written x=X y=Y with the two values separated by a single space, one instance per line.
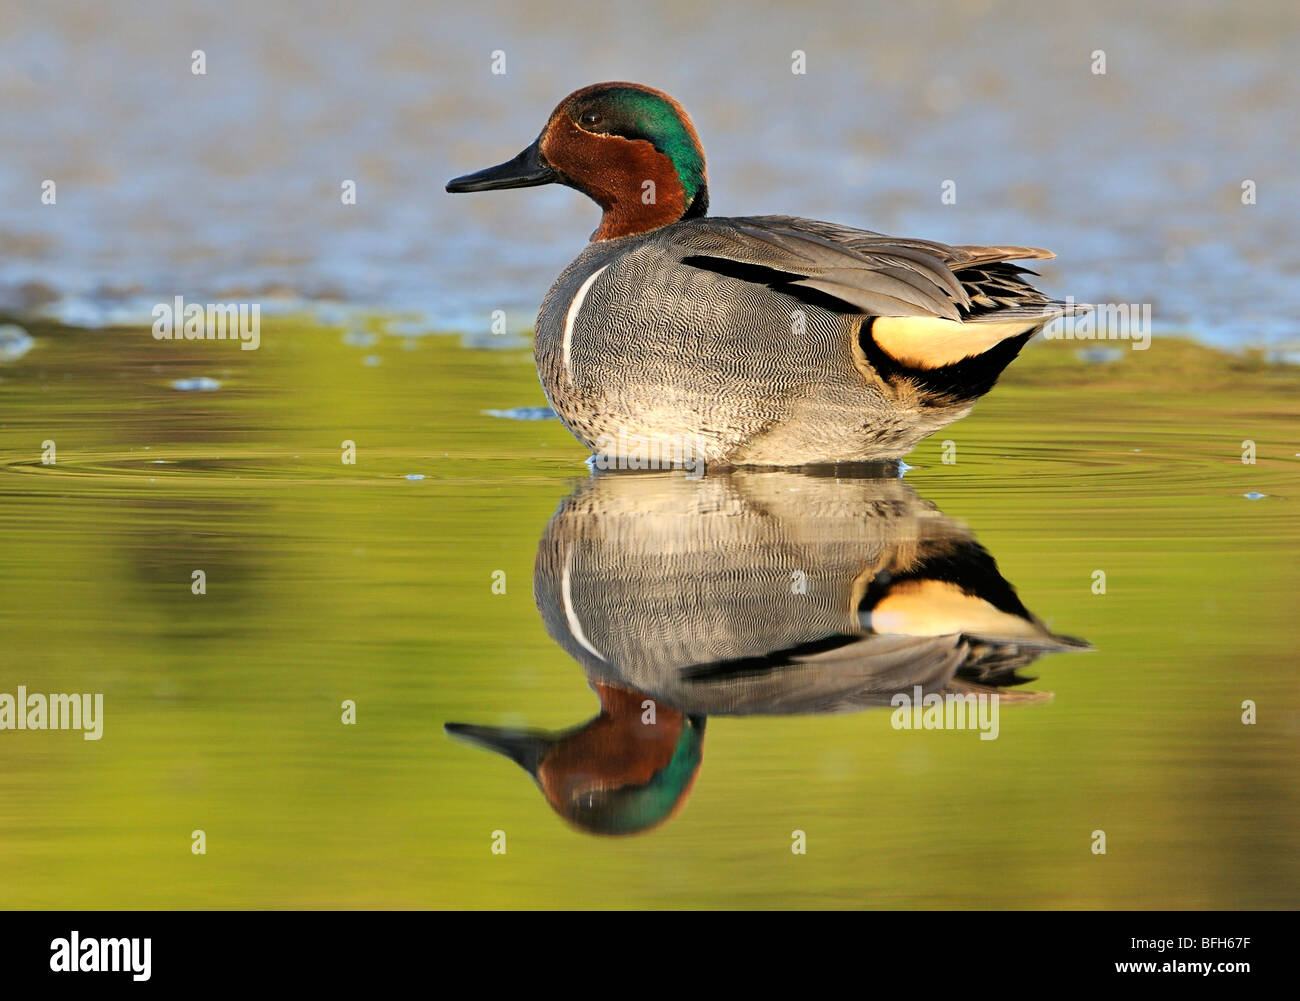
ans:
x=328 y=582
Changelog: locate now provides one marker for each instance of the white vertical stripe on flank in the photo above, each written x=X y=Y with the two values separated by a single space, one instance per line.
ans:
x=573 y=315
x=570 y=616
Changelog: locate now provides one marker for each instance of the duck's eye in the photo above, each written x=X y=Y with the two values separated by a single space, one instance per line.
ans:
x=590 y=118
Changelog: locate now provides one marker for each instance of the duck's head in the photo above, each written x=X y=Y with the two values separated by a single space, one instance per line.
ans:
x=615 y=774
x=632 y=149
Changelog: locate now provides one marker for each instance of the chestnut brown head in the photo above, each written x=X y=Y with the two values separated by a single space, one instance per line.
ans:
x=630 y=148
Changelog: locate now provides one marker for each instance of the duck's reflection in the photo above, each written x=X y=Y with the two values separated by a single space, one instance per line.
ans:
x=751 y=593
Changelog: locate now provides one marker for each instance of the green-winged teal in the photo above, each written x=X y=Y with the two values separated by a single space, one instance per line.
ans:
x=766 y=340
x=761 y=592
x=776 y=592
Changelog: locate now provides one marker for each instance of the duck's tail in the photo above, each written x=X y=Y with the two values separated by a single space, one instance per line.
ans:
x=962 y=359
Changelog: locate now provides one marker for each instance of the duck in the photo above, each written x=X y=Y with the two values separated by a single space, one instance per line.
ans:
x=766 y=340
x=745 y=594
x=757 y=592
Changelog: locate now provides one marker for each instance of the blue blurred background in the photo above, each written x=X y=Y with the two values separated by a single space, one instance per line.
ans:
x=229 y=182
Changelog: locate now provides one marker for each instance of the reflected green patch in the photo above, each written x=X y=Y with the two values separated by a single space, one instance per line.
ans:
x=328 y=581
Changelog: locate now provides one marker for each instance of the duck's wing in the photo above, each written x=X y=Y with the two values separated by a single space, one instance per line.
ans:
x=827 y=264
x=824 y=676
x=867 y=272
x=848 y=673
x=932 y=304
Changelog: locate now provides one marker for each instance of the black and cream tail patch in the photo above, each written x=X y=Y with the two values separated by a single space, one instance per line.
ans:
x=957 y=359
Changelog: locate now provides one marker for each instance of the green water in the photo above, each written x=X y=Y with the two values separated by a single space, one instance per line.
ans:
x=328 y=581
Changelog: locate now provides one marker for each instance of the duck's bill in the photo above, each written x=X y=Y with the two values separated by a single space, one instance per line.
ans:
x=523 y=748
x=524 y=171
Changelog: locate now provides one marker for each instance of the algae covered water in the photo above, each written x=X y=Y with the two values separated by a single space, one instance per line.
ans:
x=468 y=568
